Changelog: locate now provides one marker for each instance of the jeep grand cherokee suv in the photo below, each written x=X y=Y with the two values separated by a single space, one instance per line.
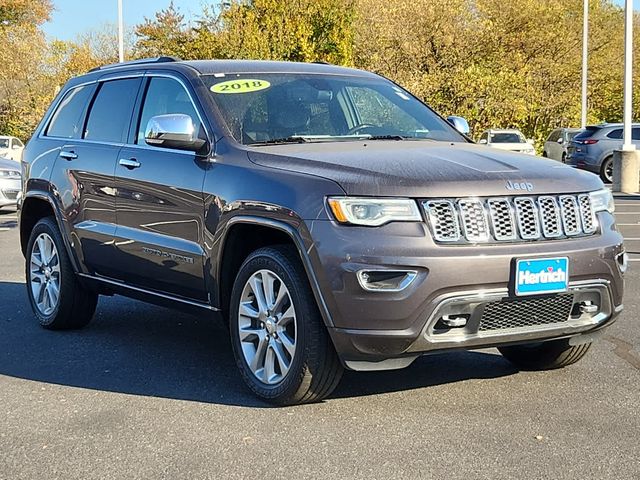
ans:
x=333 y=220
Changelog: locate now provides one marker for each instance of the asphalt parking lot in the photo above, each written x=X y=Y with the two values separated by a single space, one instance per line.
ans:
x=145 y=392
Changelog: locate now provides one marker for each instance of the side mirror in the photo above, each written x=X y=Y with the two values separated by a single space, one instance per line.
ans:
x=459 y=124
x=561 y=140
x=483 y=141
x=174 y=130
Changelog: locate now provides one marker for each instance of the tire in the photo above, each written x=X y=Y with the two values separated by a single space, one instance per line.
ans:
x=544 y=154
x=312 y=370
x=544 y=356
x=606 y=172
x=564 y=158
x=75 y=305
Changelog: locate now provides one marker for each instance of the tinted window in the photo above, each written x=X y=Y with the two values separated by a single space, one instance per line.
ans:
x=165 y=96
x=66 y=121
x=586 y=133
x=616 y=134
x=635 y=135
x=555 y=135
x=111 y=111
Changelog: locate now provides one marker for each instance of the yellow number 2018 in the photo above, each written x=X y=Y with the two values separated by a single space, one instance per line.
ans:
x=245 y=85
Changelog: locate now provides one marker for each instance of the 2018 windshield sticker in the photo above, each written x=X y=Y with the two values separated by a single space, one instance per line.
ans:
x=245 y=85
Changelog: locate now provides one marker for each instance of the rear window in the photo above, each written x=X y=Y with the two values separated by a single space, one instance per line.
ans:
x=586 y=133
x=507 y=138
x=111 y=111
x=66 y=121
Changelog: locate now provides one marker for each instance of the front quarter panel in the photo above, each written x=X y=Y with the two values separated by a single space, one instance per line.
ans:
x=235 y=188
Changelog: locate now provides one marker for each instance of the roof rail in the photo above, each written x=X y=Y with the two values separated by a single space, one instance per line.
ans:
x=142 y=61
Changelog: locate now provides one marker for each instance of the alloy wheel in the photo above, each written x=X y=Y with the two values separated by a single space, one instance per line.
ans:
x=44 y=267
x=267 y=327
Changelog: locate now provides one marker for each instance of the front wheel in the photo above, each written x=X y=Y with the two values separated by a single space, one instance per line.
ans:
x=280 y=344
x=544 y=356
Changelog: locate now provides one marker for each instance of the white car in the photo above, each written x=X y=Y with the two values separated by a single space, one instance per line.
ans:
x=11 y=148
x=10 y=183
x=510 y=139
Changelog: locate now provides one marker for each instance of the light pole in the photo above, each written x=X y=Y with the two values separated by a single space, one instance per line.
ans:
x=120 y=33
x=628 y=75
x=626 y=174
x=585 y=55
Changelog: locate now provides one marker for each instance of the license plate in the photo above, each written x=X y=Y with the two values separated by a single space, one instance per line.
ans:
x=542 y=275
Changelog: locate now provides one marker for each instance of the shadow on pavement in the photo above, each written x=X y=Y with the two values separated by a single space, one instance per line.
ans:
x=140 y=349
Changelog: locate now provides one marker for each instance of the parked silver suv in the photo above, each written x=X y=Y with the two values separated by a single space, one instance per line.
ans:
x=557 y=143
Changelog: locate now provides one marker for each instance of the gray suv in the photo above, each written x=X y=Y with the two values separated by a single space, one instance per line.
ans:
x=592 y=149
x=556 y=145
x=330 y=218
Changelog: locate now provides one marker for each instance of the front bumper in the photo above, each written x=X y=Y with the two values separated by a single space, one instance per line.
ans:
x=388 y=329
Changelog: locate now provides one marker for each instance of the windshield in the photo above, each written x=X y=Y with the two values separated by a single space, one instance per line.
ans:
x=511 y=137
x=286 y=107
x=4 y=143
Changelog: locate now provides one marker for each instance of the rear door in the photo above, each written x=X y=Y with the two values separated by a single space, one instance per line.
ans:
x=90 y=127
x=160 y=206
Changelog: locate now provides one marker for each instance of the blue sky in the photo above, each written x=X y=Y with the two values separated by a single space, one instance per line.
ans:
x=73 y=17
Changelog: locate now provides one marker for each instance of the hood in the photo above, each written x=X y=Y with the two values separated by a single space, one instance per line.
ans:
x=513 y=147
x=425 y=169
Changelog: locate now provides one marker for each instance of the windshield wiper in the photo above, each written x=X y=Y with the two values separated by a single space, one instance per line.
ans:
x=283 y=140
x=386 y=137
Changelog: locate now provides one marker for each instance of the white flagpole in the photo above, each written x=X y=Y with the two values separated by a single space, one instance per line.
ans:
x=585 y=53
x=120 y=33
x=628 y=75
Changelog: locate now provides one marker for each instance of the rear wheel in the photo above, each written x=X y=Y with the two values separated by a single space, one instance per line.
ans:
x=606 y=170
x=544 y=356
x=57 y=299
x=280 y=344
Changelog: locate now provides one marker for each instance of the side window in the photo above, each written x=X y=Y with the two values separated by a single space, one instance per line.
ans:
x=165 y=96
x=111 y=111
x=17 y=143
x=555 y=135
x=66 y=120
x=375 y=109
x=615 y=134
x=635 y=134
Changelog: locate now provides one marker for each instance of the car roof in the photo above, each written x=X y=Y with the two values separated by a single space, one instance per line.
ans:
x=211 y=67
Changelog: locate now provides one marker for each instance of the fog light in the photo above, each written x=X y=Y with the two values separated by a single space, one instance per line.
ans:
x=386 y=280
x=588 y=307
x=452 y=321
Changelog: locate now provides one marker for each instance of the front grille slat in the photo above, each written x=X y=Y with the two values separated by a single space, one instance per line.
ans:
x=510 y=219
x=526 y=313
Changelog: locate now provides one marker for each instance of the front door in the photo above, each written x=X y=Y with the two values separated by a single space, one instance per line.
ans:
x=159 y=203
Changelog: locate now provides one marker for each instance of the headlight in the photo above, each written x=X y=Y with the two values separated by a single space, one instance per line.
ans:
x=10 y=173
x=374 y=212
x=602 y=200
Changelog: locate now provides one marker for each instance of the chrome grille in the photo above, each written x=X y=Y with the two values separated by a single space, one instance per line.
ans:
x=444 y=220
x=521 y=313
x=510 y=219
x=528 y=221
x=474 y=220
x=587 y=215
x=570 y=215
x=503 y=219
x=550 y=217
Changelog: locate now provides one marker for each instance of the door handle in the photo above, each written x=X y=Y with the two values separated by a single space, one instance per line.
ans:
x=129 y=163
x=68 y=155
